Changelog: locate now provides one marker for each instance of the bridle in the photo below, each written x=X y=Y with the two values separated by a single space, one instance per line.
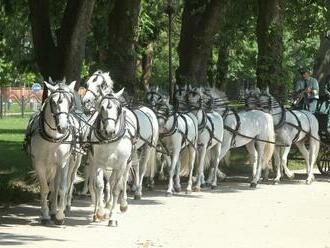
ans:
x=62 y=93
x=111 y=98
x=154 y=101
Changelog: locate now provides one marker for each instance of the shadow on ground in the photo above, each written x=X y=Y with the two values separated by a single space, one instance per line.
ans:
x=14 y=239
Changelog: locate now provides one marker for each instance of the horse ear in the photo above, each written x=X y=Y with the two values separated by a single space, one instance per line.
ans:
x=176 y=87
x=50 y=87
x=119 y=93
x=157 y=88
x=258 y=90
x=64 y=80
x=189 y=86
x=247 y=91
x=267 y=90
x=50 y=80
x=72 y=85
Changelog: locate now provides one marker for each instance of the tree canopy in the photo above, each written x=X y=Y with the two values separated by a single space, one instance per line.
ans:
x=228 y=44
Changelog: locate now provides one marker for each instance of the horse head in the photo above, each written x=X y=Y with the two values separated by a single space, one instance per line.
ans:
x=180 y=97
x=60 y=102
x=98 y=85
x=110 y=113
x=252 y=98
x=155 y=97
x=195 y=96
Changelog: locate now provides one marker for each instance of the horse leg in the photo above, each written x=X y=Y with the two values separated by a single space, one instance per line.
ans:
x=108 y=198
x=216 y=151
x=253 y=158
x=177 y=185
x=44 y=190
x=91 y=182
x=173 y=164
x=62 y=192
x=123 y=199
x=200 y=175
x=72 y=176
x=256 y=156
x=87 y=175
x=192 y=156
x=277 y=160
x=152 y=160
x=99 y=214
x=52 y=199
x=284 y=162
x=314 y=147
x=116 y=183
x=260 y=150
x=143 y=168
x=136 y=166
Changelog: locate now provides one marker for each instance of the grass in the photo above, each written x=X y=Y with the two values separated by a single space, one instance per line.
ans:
x=15 y=165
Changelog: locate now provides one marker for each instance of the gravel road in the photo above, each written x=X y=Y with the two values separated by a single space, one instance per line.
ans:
x=291 y=214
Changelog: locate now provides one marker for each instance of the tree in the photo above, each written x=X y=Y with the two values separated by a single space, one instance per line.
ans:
x=60 y=50
x=270 y=47
x=122 y=36
x=322 y=60
x=200 y=23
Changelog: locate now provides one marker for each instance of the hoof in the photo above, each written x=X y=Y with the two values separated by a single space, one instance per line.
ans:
x=168 y=194
x=197 y=189
x=100 y=217
x=213 y=187
x=276 y=181
x=108 y=205
x=291 y=177
x=309 y=181
x=59 y=221
x=46 y=222
x=204 y=185
x=188 y=191
x=113 y=223
x=123 y=209
x=137 y=197
x=177 y=189
x=253 y=185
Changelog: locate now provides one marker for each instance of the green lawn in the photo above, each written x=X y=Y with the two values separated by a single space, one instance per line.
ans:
x=15 y=165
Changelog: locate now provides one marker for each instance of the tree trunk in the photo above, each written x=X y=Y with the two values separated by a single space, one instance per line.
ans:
x=122 y=24
x=322 y=61
x=147 y=60
x=62 y=57
x=222 y=64
x=270 y=47
x=200 y=22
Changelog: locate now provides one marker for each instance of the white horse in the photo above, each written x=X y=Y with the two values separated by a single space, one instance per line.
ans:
x=210 y=133
x=178 y=132
x=251 y=128
x=299 y=127
x=51 y=137
x=112 y=144
x=146 y=127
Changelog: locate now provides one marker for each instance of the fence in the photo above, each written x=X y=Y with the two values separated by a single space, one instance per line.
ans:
x=19 y=101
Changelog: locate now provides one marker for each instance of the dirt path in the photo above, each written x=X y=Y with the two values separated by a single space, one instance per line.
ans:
x=286 y=215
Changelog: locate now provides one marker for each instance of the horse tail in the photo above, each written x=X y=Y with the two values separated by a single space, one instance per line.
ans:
x=151 y=165
x=226 y=158
x=269 y=147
